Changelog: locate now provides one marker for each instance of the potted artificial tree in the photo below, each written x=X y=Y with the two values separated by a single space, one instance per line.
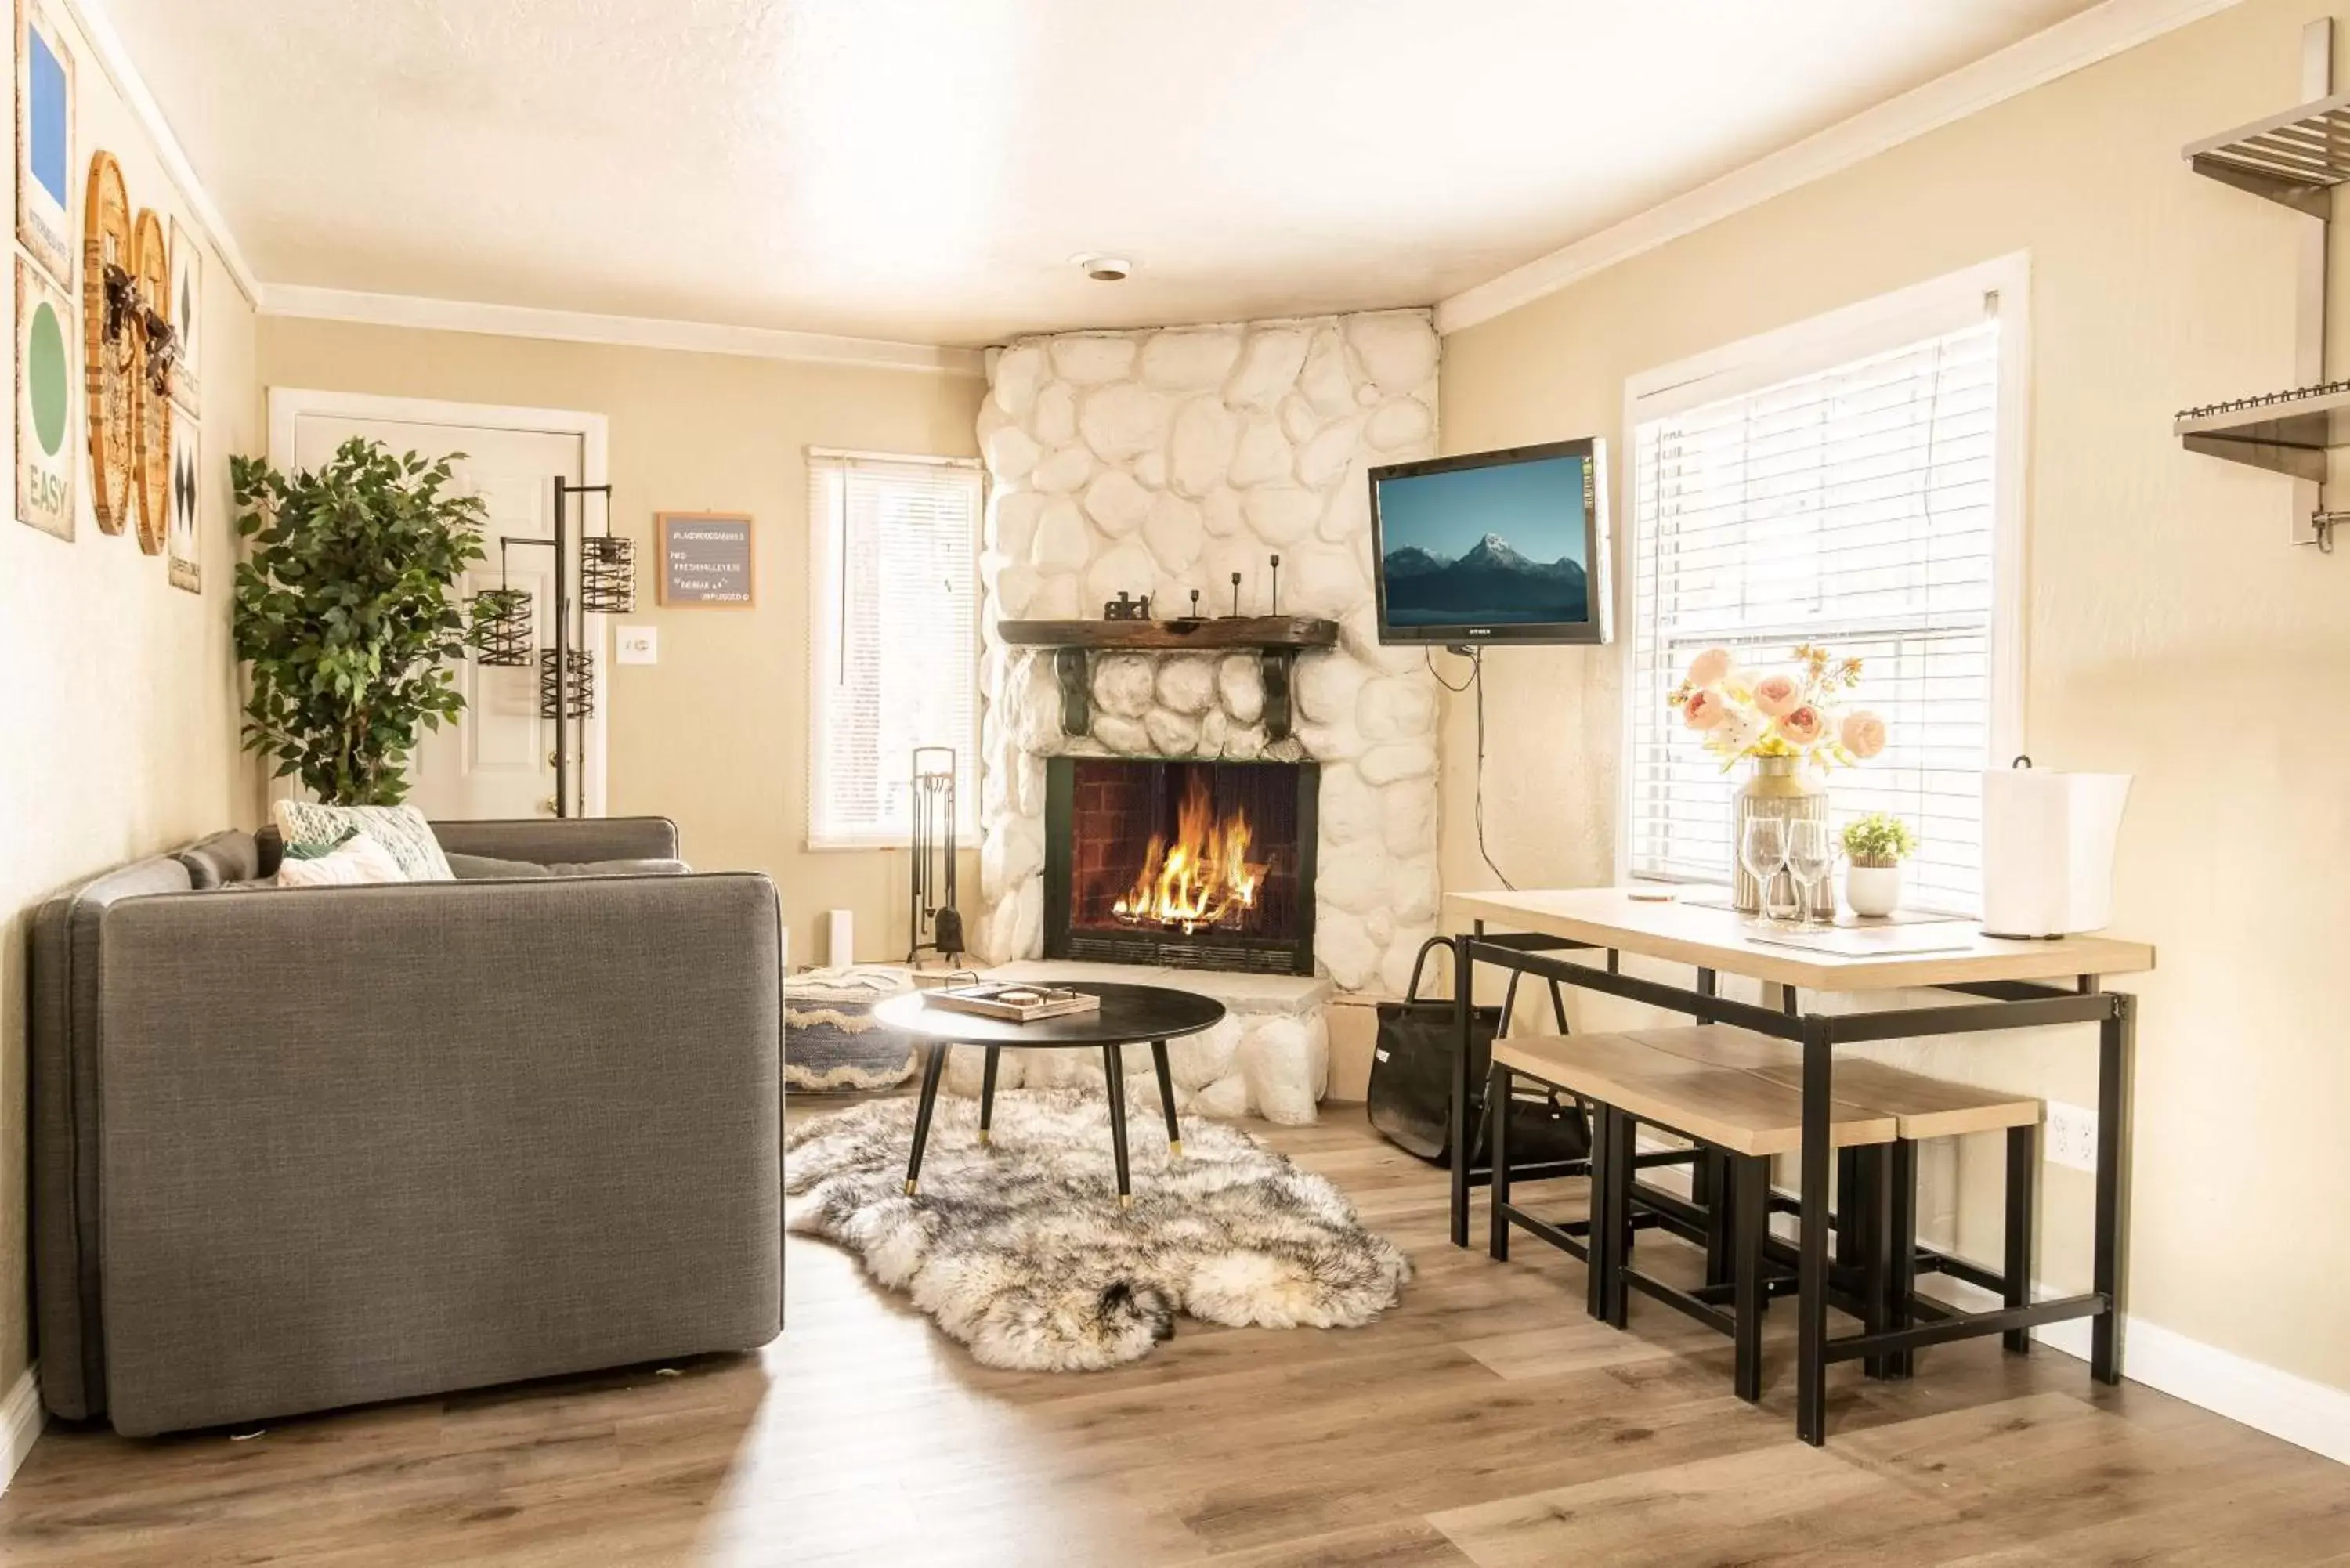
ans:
x=347 y=615
x=1875 y=847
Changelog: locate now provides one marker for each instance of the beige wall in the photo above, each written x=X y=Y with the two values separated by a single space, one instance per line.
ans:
x=119 y=707
x=715 y=735
x=2172 y=631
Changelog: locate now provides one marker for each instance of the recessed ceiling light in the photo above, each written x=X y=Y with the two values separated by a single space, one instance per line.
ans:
x=1102 y=268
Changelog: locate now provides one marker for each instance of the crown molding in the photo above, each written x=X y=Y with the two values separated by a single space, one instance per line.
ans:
x=2083 y=39
x=417 y=312
x=114 y=59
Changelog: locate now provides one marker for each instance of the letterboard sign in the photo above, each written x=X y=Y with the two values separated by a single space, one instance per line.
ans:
x=706 y=559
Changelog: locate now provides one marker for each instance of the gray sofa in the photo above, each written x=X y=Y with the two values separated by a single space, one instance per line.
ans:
x=306 y=1147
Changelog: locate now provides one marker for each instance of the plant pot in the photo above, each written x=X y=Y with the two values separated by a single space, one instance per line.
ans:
x=1778 y=786
x=1873 y=890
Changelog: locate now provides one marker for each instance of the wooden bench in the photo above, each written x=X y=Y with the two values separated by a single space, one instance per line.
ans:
x=1731 y=1108
x=1737 y=1115
x=1738 y=1095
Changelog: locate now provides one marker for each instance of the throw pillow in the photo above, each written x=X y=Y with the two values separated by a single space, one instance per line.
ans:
x=352 y=860
x=401 y=829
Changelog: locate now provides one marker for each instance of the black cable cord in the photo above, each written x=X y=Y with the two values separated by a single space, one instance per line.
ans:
x=1477 y=679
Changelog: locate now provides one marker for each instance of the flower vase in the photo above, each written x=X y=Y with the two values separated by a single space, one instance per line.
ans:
x=1778 y=786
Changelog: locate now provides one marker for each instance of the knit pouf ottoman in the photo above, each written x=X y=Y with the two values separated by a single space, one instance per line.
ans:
x=830 y=1038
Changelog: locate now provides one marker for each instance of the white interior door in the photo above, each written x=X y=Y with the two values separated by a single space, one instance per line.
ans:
x=498 y=760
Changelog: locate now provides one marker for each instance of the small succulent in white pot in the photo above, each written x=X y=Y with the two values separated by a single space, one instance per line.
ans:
x=1875 y=847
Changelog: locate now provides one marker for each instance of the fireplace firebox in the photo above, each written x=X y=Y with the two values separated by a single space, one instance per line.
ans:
x=1198 y=865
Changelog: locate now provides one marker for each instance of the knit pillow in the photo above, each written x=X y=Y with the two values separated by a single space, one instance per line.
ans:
x=357 y=859
x=401 y=829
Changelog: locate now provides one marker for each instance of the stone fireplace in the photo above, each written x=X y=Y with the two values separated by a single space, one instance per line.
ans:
x=1186 y=863
x=1166 y=463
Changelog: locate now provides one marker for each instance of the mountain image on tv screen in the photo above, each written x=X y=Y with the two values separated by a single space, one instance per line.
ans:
x=1486 y=546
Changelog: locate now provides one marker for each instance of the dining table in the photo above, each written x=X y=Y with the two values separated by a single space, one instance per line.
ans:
x=1580 y=937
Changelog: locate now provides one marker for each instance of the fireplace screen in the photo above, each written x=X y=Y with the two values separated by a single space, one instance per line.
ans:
x=1204 y=865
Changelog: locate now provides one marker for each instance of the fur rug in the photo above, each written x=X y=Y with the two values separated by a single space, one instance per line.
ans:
x=1020 y=1251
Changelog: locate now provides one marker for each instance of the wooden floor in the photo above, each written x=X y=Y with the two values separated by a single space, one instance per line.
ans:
x=1486 y=1422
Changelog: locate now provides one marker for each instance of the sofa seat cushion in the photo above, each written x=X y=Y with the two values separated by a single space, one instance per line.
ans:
x=401 y=829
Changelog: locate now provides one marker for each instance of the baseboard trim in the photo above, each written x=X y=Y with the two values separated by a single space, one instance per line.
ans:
x=21 y=1419
x=2281 y=1404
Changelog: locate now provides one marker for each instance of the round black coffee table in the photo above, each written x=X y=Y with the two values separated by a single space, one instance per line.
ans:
x=1130 y=1015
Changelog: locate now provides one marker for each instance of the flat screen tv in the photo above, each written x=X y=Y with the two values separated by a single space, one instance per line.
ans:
x=1494 y=546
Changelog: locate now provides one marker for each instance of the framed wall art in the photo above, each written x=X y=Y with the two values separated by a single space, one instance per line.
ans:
x=185 y=543
x=150 y=385
x=707 y=559
x=188 y=319
x=45 y=161
x=110 y=363
x=45 y=362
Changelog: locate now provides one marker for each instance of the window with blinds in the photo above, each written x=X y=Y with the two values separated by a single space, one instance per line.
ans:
x=893 y=626
x=1853 y=507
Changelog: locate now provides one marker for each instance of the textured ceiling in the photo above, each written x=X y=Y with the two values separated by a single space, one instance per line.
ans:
x=922 y=170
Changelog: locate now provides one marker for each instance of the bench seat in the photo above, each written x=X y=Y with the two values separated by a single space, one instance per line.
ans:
x=1736 y=1110
x=1925 y=1106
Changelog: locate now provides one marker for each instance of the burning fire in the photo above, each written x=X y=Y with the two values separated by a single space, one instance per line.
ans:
x=1205 y=875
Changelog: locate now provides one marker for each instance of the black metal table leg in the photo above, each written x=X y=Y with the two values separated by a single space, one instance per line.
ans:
x=1114 y=1066
x=1848 y=1254
x=2022 y=1175
x=1900 y=1251
x=987 y=1095
x=1598 y=1246
x=2116 y=1040
x=931 y=1073
x=1862 y=1209
x=1750 y=1199
x=1458 y=1113
x=1166 y=1098
x=1712 y=1186
x=1811 y=1302
x=1497 y=1095
x=1619 y=1217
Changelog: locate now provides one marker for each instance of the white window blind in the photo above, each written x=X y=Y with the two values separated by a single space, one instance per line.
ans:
x=893 y=626
x=1856 y=507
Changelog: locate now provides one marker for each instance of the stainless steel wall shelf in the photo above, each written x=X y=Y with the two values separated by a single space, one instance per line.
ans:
x=2287 y=432
x=2294 y=159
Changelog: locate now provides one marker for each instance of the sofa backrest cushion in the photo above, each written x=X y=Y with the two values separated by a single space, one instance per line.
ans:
x=224 y=858
x=570 y=840
x=64 y=990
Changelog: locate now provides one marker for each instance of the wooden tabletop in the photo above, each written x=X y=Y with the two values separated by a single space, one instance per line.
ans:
x=1722 y=939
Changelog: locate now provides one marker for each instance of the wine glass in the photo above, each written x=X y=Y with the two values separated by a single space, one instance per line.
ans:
x=1763 y=852
x=1811 y=856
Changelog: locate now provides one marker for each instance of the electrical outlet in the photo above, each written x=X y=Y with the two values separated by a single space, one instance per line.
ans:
x=2070 y=1137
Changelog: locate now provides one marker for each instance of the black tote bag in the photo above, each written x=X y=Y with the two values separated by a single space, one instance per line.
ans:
x=1411 y=1081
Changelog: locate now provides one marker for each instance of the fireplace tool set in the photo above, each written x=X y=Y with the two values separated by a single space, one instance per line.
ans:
x=935 y=925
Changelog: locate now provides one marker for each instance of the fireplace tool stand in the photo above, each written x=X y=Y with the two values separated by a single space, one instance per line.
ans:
x=934 y=924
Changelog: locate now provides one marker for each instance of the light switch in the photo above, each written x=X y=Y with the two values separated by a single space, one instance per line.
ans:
x=638 y=645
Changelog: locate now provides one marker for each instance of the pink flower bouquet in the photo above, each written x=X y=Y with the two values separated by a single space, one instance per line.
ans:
x=1739 y=714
